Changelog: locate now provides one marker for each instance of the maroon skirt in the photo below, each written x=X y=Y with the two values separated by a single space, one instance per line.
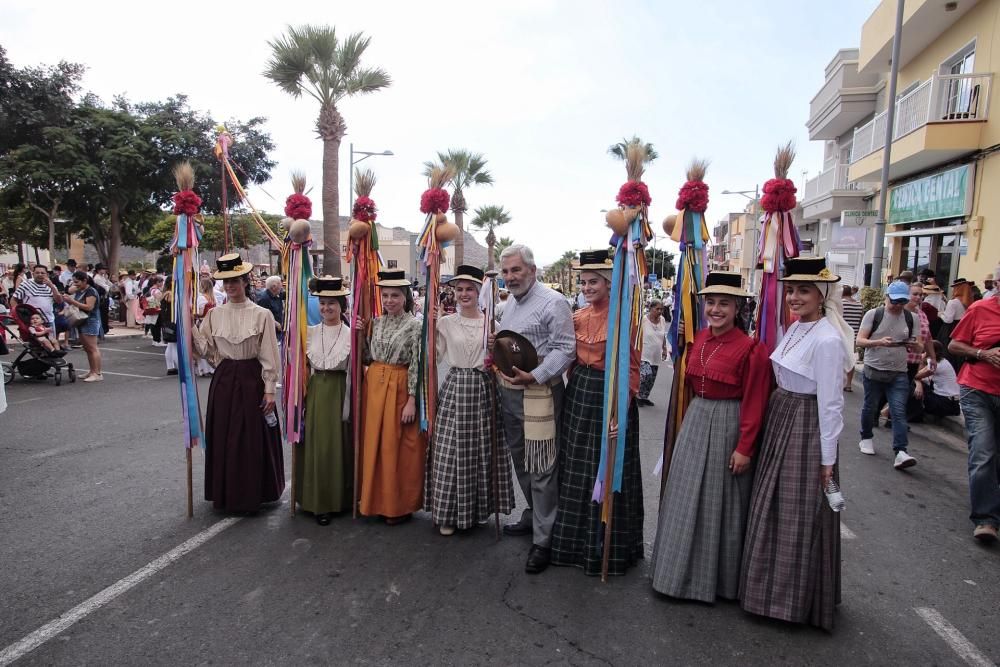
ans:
x=244 y=466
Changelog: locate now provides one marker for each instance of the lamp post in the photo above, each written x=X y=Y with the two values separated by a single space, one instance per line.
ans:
x=754 y=213
x=366 y=154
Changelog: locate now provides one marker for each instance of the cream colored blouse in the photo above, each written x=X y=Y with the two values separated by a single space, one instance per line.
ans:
x=240 y=331
x=460 y=341
x=328 y=348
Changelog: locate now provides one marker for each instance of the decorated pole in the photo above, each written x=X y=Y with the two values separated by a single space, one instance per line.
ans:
x=184 y=248
x=362 y=254
x=779 y=241
x=690 y=230
x=630 y=224
x=297 y=270
x=487 y=304
x=223 y=141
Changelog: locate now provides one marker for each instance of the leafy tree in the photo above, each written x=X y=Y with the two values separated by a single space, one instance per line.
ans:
x=504 y=243
x=242 y=227
x=311 y=60
x=487 y=219
x=20 y=224
x=469 y=169
x=620 y=150
x=661 y=262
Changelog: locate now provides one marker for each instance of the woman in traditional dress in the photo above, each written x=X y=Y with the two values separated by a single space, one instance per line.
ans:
x=791 y=557
x=325 y=464
x=469 y=475
x=699 y=539
x=243 y=461
x=393 y=451
x=654 y=349
x=578 y=534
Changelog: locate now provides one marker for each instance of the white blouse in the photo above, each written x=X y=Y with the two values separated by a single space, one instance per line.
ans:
x=815 y=366
x=460 y=341
x=240 y=331
x=953 y=312
x=328 y=348
x=654 y=340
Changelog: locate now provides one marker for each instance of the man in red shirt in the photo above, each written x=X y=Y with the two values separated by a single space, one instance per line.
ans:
x=977 y=338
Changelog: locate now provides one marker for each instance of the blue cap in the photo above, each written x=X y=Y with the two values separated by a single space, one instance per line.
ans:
x=898 y=290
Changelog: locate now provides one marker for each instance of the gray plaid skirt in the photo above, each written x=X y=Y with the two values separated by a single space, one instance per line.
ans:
x=699 y=537
x=791 y=557
x=578 y=534
x=459 y=483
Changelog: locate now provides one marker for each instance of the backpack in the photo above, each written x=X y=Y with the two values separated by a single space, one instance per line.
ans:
x=880 y=314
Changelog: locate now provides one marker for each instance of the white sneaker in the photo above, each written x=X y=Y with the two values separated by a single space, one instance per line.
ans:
x=94 y=377
x=159 y=344
x=903 y=460
x=867 y=446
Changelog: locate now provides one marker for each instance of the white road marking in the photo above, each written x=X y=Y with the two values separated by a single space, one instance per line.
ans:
x=27 y=400
x=132 y=375
x=965 y=649
x=52 y=628
x=847 y=533
x=114 y=349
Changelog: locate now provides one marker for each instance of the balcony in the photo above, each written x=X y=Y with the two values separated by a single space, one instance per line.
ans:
x=844 y=100
x=940 y=120
x=923 y=22
x=832 y=192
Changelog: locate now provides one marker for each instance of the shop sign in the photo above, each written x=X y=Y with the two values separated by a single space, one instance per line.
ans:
x=935 y=197
x=857 y=217
x=849 y=238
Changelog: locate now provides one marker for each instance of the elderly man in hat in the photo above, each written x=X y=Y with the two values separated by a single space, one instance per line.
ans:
x=531 y=401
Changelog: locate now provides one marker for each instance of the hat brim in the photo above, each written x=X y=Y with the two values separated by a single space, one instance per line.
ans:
x=332 y=292
x=725 y=289
x=465 y=277
x=806 y=278
x=240 y=270
x=393 y=283
x=594 y=267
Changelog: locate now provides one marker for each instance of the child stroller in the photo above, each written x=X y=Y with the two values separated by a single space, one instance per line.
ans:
x=35 y=362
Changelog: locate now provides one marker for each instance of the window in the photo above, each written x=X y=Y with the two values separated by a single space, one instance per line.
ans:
x=391 y=264
x=961 y=93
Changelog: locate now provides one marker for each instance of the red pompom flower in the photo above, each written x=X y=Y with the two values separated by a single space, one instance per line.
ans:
x=434 y=200
x=779 y=195
x=364 y=209
x=633 y=194
x=186 y=202
x=693 y=196
x=298 y=207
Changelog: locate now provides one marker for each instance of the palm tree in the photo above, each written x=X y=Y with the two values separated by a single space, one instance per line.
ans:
x=620 y=150
x=567 y=275
x=488 y=218
x=469 y=169
x=311 y=60
x=501 y=245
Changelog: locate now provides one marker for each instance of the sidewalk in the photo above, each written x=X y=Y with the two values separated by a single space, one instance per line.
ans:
x=121 y=331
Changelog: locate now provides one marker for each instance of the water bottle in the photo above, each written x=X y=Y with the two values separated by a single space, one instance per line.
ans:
x=272 y=419
x=834 y=496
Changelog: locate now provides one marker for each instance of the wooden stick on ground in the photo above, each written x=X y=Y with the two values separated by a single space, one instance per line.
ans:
x=190 y=492
x=295 y=460
x=609 y=499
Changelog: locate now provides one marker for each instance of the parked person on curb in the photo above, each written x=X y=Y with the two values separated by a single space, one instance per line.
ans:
x=272 y=298
x=86 y=298
x=130 y=293
x=463 y=464
x=887 y=334
x=104 y=287
x=853 y=312
x=168 y=330
x=149 y=302
x=243 y=460
x=654 y=350
x=977 y=339
x=325 y=465
x=698 y=550
x=577 y=535
x=542 y=316
x=791 y=556
x=393 y=450
x=937 y=387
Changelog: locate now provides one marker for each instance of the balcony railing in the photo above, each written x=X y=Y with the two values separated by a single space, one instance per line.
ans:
x=948 y=98
x=834 y=178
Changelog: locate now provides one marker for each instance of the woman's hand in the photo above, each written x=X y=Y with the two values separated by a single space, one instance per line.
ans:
x=825 y=475
x=738 y=463
x=410 y=410
x=267 y=405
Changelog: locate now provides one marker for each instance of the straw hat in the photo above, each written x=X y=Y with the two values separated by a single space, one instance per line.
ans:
x=466 y=272
x=808 y=270
x=725 y=282
x=932 y=289
x=328 y=286
x=231 y=266
x=392 y=279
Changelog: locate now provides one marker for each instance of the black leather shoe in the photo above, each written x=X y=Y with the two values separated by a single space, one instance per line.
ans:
x=522 y=527
x=538 y=559
x=324 y=519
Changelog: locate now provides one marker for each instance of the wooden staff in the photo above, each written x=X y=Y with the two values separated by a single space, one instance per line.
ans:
x=494 y=407
x=609 y=499
x=295 y=460
x=190 y=493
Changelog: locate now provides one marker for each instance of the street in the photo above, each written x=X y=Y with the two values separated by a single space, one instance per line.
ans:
x=92 y=493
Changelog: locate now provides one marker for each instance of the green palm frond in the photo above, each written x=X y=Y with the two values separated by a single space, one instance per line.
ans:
x=488 y=218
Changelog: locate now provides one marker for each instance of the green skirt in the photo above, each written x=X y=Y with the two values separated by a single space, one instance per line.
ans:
x=325 y=466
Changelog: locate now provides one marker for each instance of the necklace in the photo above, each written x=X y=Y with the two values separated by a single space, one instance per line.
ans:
x=790 y=344
x=322 y=338
x=705 y=362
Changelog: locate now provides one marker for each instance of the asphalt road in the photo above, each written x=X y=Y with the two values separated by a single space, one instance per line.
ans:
x=92 y=493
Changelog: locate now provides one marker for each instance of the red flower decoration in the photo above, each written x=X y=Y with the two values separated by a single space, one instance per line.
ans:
x=779 y=195
x=364 y=209
x=298 y=207
x=693 y=196
x=633 y=194
x=434 y=200
x=186 y=202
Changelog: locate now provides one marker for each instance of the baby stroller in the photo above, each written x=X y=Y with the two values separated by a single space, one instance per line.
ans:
x=35 y=362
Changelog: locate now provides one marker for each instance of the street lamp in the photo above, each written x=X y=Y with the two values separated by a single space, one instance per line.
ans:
x=366 y=154
x=753 y=246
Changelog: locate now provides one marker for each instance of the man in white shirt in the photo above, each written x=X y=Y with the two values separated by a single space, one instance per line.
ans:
x=39 y=292
x=66 y=275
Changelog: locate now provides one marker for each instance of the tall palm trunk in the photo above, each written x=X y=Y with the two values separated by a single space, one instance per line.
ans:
x=491 y=242
x=331 y=128
x=458 y=208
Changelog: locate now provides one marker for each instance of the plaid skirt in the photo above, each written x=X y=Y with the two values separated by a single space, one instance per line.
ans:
x=578 y=534
x=699 y=538
x=459 y=482
x=791 y=557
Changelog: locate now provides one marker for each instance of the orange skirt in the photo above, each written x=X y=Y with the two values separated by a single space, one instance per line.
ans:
x=392 y=453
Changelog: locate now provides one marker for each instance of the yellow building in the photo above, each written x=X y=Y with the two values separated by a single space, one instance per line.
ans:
x=944 y=197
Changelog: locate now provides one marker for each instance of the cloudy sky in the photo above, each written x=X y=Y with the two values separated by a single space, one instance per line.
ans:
x=541 y=87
